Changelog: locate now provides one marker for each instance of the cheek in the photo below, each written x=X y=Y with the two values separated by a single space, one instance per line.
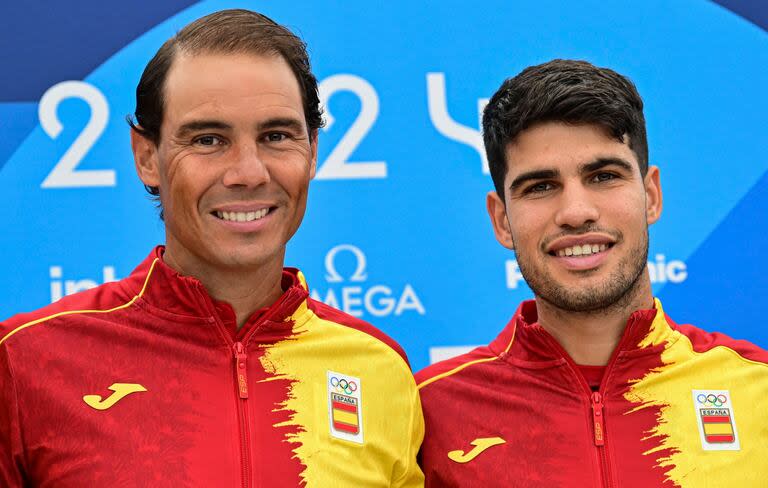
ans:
x=185 y=183
x=527 y=223
x=293 y=178
x=626 y=210
x=169 y=173
x=176 y=186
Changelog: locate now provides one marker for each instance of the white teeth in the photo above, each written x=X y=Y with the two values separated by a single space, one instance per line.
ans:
x=242 y=216
x=582 y=250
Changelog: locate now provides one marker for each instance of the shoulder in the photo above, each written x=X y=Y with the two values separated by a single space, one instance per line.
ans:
x=361 y=327
x=104 y=298
x=465 y=367
x=704 y=342
x=99 y=301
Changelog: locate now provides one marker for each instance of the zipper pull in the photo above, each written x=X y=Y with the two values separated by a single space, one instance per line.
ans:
x=241 y=371
x=597 y=418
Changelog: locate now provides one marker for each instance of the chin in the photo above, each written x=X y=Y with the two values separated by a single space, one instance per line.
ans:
x=247 y=257
x=240 y=258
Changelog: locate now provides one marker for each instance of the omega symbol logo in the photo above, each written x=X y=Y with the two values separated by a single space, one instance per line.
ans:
x=349 y=291
x=333 y=276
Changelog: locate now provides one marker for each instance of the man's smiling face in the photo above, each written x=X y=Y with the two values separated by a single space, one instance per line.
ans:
x=234 y=160
x=576 y=212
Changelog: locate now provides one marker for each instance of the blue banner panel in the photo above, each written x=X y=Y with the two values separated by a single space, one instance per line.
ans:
x=396 y=230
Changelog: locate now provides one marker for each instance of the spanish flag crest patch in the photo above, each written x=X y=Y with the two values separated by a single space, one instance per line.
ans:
x=717 y=423
x=345 y=407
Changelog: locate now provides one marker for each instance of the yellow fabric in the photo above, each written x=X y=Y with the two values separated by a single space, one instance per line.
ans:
x=670 y=388
x=390 y=409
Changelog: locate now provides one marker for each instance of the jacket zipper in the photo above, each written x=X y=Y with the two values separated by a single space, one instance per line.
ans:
x=241 y=370
x=241 y=381
x=596 y=403
x=597 y=419
x=241 y=384
x=598 y=426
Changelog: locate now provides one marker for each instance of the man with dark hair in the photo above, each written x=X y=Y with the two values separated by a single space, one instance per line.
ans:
x=210 y=365
x=590 y=384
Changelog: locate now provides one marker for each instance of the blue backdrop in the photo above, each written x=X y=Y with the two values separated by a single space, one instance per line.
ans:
x=396 y=230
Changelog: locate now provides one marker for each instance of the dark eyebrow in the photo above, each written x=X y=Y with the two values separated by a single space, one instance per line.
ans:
x=275 y=123
x=548 y=174
x=540 y=174
x=198 y=125
x=601 y=163
x=282 y=123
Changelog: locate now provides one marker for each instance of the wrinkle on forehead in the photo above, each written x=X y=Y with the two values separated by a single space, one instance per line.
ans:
x=239 y=90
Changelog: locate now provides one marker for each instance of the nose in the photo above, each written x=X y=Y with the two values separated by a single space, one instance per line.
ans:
x=576 y=208
x=246 y=167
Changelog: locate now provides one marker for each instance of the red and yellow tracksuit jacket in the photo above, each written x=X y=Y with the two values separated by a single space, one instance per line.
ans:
x=148 y=382
x=676 y=407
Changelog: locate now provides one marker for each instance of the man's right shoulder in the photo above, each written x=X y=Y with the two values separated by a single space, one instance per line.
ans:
x=465 y=367
x=104 y=298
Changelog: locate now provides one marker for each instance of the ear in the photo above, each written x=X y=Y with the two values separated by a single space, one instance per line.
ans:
x=313 y=154
x=497 y=211
x=653 y=196
x=145 y=159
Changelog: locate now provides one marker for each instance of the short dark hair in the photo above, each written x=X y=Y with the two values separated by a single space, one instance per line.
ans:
x=234 y=31
x=561 y=90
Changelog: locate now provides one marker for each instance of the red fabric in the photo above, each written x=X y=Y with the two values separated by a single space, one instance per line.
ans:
x=526 y=390
x=593 y=375
x=174 y=341
x=189 y=428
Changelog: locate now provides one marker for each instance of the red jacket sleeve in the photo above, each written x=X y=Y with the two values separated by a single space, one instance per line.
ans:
x=11 y=451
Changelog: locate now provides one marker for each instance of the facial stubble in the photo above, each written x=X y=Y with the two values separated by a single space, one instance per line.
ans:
x=615 y=292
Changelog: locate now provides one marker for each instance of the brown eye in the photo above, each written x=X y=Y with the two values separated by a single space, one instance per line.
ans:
x=208 y=140
x=539 y=187
x=601 y=177
x=276 y=137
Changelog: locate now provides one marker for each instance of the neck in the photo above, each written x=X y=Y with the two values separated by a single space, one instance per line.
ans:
x=246 y=289
x=590 y=337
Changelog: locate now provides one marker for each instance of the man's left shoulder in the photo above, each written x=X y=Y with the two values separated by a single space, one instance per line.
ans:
x=357 y=327
x=703 y=342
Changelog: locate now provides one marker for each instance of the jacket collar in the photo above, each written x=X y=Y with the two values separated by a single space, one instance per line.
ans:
x=525 y=340
x=161 y=287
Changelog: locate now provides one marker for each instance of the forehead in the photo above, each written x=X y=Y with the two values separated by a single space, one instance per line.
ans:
x=564 y=147
x=197 y=84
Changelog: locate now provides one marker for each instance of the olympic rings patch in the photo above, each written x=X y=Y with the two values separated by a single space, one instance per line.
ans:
x=343 y=386
x=711 y=400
